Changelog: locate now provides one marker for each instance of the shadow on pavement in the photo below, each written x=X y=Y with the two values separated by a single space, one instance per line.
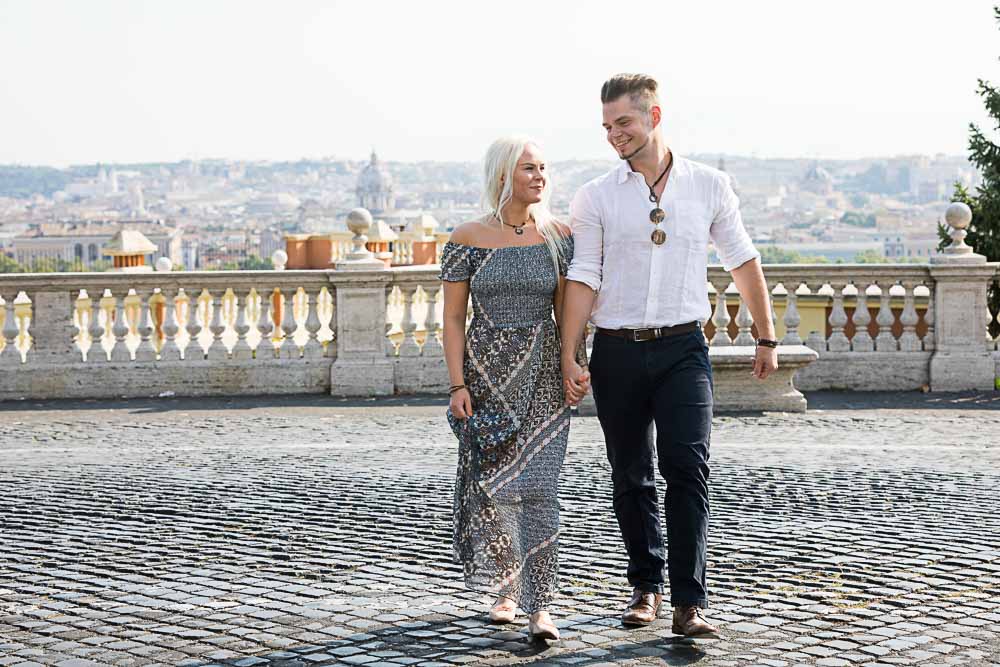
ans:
x=456 y=641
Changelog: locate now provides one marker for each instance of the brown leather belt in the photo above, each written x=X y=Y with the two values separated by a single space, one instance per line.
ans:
x=641 y=335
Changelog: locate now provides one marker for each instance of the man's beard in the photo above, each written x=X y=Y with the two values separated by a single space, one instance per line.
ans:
x=636 y=151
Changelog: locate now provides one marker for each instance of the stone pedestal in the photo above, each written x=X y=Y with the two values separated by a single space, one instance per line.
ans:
x=362 y=367
x=52 y=329
x=961 y=360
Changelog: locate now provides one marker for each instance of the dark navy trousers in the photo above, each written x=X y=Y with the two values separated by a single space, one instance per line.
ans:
x=667 y=383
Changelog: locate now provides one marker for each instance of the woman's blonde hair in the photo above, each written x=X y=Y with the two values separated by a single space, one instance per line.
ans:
x=500 y=163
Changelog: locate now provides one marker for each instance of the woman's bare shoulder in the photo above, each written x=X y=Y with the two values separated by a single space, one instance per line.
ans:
x=469 y=233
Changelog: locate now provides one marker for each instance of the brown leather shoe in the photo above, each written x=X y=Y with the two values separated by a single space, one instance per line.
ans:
x=642 y=608
x=689 y=622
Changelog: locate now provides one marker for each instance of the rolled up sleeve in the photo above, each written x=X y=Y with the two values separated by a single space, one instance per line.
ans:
x=588 y=239
x=731 y=240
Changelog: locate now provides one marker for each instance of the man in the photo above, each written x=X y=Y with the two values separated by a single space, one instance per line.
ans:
x=639 y=273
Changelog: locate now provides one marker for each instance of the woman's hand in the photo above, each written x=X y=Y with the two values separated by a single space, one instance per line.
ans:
x=461 y=404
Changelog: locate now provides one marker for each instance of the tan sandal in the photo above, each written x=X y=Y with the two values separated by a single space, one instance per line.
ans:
x=539 y=628
x=503 y=611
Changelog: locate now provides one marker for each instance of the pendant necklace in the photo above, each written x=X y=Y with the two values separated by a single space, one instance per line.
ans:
x=657 y=215
x=518 y=229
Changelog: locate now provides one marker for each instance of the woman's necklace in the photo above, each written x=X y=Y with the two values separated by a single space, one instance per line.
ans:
x=518 y=229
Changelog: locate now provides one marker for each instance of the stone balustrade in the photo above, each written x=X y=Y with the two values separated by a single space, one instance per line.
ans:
x=363 y=330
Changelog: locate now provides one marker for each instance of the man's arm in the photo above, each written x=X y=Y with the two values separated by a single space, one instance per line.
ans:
x=583 y=280
x=742 y=260
x=578 y=301
x=749 y=279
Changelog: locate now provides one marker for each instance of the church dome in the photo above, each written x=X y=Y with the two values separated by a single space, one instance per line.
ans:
x=374 y=177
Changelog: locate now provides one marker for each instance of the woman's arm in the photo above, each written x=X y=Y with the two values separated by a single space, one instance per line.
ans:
x=456 y=305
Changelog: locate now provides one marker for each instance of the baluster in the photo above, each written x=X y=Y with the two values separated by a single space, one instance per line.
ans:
x=838 y=319
x=264 y=325
x=930 y=341
x=744 y=320
x=289 y=350
x=242 y=350
x=120 y=353
x=409 y=252
x=217 y=350
x=330 y=321
x=390 y=347
x=170 y=351
x=409 y=347
x=791 y=318
x=96 y=332
x=193 y=328
x=721 y=317
x=432 y=346
x=908 y=341
x=313 y=348
x=146 y=350
x=10 y=356
x=862 y=339
x=884 y=340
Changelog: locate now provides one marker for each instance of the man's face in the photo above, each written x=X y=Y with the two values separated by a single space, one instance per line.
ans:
x=628 y=128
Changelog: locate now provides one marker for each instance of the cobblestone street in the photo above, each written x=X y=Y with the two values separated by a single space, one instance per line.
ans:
x=314 y=531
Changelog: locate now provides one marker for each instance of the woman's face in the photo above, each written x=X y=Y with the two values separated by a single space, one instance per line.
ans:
x=530 y=179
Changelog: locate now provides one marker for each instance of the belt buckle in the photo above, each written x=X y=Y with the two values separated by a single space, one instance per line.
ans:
x=635 y=336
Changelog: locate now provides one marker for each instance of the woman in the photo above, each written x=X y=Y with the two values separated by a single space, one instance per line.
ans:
x=507 y=404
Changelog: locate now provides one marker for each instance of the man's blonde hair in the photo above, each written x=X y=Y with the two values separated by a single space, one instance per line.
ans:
x=641 y=89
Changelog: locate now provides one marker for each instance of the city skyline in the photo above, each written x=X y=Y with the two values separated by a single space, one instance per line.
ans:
x=117 y=82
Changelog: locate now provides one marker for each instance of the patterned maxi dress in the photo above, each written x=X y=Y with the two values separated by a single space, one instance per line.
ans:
x=511 y=450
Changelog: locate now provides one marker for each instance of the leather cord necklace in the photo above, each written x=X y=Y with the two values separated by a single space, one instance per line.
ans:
x=518 y=229
x=657 y=215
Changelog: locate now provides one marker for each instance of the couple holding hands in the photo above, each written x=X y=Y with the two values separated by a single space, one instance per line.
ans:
x=632 y=260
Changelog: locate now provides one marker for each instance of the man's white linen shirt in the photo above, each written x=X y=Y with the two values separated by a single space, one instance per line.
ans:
x=638 y=283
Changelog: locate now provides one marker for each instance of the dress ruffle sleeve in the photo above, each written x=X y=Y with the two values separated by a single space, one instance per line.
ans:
x=455 y=263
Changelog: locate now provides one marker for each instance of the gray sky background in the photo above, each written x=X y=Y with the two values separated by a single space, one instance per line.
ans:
x=138 y=80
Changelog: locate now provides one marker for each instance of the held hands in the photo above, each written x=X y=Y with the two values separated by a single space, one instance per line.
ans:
x=765 y=362
x=576 y=381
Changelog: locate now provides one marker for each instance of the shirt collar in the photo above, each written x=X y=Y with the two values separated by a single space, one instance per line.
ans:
x=623 y=170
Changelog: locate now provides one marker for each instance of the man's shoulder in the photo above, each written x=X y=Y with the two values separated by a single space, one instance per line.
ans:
x=700 y=170
x=598 y=182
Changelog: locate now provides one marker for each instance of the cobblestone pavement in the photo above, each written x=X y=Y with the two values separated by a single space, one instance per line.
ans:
x=309 y=531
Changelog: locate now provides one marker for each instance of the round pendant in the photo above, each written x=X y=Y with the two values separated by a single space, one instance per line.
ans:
x=656 y=216
x=659 y=236
x=519 y=230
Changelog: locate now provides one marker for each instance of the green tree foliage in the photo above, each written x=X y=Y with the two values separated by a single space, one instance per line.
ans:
x=9 y=265
x=870 y=257
x=857 y=219
x=22 y=182
x=984 y=231
x=770 y=254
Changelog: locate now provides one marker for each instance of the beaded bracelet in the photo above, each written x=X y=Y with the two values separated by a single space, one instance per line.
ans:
x=764 y=342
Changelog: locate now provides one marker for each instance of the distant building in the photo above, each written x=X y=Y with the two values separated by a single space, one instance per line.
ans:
x=375 y=188
x=817 y=180
x=81 y=242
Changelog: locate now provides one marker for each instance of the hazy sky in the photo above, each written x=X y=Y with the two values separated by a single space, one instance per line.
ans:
x=131 y=80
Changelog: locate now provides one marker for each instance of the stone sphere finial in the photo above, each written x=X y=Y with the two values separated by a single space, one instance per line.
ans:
x=958 y=215
x=164 y=264
x=359 y=221
x=279 y=258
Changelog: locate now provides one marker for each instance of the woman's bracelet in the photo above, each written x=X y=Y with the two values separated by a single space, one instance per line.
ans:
x=455 y=387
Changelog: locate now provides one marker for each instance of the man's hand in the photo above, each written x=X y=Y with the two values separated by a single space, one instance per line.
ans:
x=576 y=381
x=765 y=362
